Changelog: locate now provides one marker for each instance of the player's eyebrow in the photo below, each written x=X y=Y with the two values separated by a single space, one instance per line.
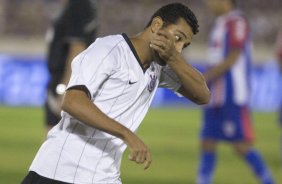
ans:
x=186 y=37
x=182 y=33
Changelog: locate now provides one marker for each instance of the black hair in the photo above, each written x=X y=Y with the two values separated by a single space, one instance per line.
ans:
x=171 y=13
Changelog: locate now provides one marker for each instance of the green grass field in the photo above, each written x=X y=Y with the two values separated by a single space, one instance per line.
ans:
x=171 y=134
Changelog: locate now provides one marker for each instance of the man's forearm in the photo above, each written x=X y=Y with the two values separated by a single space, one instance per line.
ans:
x=77 y=104
x=193 y=83
x=75 y=48
x=223 y=67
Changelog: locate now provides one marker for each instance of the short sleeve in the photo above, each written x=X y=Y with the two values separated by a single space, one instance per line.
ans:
x=93 y=67
x=169 y=80
x=238 y=32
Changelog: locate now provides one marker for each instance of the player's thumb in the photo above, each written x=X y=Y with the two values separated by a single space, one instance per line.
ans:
x=148 y=160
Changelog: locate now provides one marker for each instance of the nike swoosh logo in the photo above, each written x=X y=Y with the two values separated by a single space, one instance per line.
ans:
x=132 y=82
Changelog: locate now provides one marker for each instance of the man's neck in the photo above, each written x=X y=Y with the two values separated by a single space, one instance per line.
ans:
x=141 y=45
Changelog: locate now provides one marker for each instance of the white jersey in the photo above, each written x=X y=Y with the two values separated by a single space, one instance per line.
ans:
x=111 y=70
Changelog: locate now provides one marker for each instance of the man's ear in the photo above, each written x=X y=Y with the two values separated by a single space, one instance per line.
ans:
x=157 y=23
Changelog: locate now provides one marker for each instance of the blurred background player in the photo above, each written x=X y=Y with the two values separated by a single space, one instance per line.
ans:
x=279 y=60
x=72 y=31
x=227 y=117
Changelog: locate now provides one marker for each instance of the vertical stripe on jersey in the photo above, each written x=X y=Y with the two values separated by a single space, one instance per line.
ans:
x=94 y=173
x=90 y=138
x=59 y=158
x=125 y=87
x=114 y=147
x=82 y=154
x=144 y=108
x=102 y=61
x=133 y=120
x=98 y=68
x=73 y=130
x=100 y=89
x=94 y=131
x=148 y=99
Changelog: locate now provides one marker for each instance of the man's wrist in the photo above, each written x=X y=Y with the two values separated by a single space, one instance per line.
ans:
x=125 y=135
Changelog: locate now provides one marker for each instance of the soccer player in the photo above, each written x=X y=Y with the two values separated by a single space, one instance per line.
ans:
x=71 y=32
x=111 y=88
x=227 y=117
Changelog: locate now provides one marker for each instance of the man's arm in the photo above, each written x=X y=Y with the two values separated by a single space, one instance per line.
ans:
x=77 y=103
x=75 y=47
x=193 y=83
x=222 y=68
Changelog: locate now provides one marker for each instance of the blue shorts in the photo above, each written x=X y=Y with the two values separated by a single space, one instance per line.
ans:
x=227 y=123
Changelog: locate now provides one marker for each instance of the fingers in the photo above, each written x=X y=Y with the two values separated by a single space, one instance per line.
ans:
x=138 y=156
x=163 y=43
x=139 y=152
x=141 y=157
x=148 y=160
x=157 y=46
x=163 y=36
x=160 y=44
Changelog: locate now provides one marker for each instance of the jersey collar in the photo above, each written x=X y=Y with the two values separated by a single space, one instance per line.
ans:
x=133 y=51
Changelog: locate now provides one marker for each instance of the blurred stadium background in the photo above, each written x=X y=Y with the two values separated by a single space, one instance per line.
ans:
x=23 y=78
